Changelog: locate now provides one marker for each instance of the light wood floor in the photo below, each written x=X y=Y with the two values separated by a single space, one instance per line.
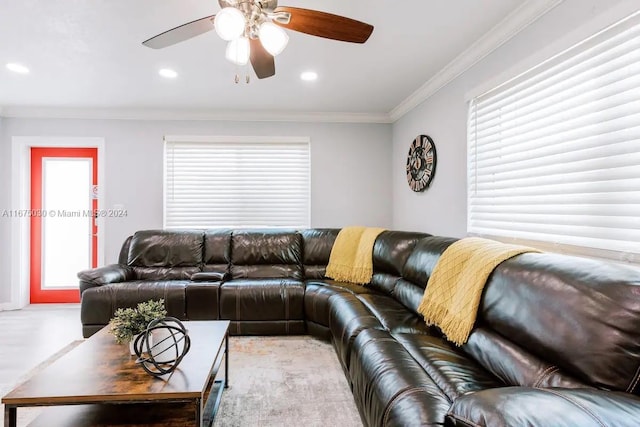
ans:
x=31 y=335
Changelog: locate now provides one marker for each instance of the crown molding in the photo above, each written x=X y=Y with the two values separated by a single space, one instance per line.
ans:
x=190 y=114
x=506 y=29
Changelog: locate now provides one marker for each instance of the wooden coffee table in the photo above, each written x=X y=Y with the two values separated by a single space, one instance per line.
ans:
x=99 y=374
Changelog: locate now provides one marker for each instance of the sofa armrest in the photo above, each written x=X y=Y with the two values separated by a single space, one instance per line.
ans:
x=113 y=273
x=209 y=276
x=558 y=407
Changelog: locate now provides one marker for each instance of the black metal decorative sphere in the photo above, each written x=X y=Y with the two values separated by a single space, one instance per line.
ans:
x=162 y=346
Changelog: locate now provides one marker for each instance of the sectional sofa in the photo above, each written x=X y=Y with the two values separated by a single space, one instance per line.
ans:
x=556 y=343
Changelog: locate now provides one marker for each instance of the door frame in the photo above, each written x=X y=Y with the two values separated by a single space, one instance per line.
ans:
x=20 y=200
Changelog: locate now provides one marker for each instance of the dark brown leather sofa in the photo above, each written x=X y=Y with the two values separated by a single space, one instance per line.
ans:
x=556 y=343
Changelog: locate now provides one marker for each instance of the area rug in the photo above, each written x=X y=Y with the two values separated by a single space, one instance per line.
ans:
x=285 y=381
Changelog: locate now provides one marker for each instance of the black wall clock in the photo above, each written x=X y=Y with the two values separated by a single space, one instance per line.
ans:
x=421 y=163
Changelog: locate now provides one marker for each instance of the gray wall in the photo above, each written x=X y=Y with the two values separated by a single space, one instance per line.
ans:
x=441 y=209
x=350 y=170
x=352 y=179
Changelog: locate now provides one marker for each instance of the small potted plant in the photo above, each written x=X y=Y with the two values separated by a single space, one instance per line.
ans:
x=127 y=323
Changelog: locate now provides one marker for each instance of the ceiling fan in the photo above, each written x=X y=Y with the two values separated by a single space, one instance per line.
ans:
x=254 y=30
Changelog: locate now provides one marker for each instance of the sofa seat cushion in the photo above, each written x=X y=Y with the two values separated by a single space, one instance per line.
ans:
x=390 y=387
x=352 y=288
x=317 y=294
x=316 y=302
x=348 y=316
x=383 y=282
x=557 y=407
x=164 y=273
x=450 y=368
x=393 y=316
x=262 y=299
x=99 y=304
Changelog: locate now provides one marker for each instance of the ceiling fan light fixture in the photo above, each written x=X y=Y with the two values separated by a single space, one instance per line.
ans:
x=273 y=38
x=238 y=51
x=229 y=23
x=263 y=23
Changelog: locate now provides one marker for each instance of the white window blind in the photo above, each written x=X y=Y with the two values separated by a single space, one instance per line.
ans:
x=554 y=154
x=236 y=182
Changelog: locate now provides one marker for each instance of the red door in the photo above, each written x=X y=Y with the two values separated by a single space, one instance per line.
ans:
x=63 y=221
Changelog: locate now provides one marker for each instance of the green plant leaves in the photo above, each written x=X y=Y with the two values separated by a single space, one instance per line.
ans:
x=129 y=322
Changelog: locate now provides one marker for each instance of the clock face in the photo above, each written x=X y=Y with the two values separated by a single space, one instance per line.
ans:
x=421 y=163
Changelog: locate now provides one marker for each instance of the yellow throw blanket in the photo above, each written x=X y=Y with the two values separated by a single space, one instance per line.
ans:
x=453 y=292
x=351 y=258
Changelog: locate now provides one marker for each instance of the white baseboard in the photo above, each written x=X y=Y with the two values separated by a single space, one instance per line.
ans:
x=8 y=306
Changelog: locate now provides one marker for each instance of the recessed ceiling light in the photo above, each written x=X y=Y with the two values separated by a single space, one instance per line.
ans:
x=17 y=68
x=309 y=76
x=168 y=73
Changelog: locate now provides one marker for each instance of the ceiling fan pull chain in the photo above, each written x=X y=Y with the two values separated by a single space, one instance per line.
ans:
x=238 y=73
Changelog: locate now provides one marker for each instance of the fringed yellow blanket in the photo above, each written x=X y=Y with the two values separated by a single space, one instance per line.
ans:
x=351 y=258
x=453 y=292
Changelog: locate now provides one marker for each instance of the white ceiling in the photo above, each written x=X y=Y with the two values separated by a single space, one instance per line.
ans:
x=88 y=53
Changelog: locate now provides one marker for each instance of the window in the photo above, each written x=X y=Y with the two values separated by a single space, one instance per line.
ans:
x=213 y=182
x=554 y=154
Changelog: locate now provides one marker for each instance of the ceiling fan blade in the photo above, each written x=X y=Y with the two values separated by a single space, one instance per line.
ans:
x=263 y=63
x=181 y=33
x=327 y=25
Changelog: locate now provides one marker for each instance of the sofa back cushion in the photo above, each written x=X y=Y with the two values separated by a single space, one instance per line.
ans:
x=316 y=247
x=166 y=255
x=392 y=248
x=424 y=258
x=514 y=365
x=217 y=251
x=418 y=268
x=581 y=315
x=258 y=254
x=390 y=253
